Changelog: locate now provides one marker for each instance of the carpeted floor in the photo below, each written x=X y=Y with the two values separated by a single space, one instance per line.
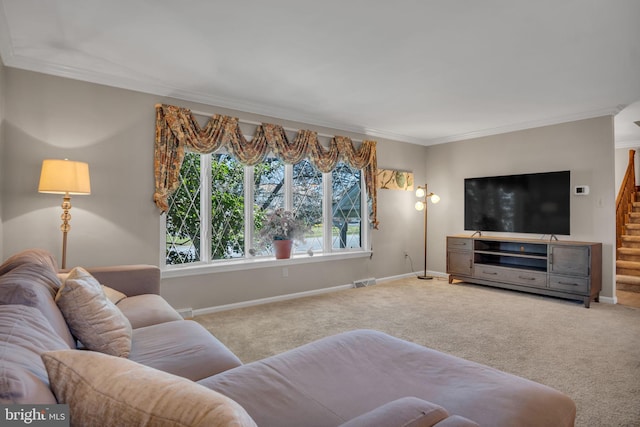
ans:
x=592 y=355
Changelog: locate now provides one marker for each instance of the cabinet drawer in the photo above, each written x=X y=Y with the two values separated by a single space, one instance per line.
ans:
x=579 y=285
x=511 y=275
x=459 y=243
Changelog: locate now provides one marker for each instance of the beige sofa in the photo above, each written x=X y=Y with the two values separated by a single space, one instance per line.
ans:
x=360 y=378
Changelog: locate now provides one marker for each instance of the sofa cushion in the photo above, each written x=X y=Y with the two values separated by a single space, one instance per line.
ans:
x=24 y=335
x=181 y=347
x=456 y=421
x=92 y=318
x=20 y=386
x=35 y=285
x=98 y=387
x=30 y=256
x=405 y=412
x=146 y=310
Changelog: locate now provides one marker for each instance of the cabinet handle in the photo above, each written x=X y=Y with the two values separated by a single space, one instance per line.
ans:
x=490 y=272
x=568 y=283
x=526 y=278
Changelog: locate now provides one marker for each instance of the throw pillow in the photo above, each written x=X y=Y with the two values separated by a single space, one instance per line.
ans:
x=113 y=295
x=91 y=317
x=106 y=390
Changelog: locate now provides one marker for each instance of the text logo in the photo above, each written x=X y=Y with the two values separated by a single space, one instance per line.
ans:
x=34 y=415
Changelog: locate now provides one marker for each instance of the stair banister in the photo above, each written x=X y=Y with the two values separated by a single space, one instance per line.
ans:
x=625 y=198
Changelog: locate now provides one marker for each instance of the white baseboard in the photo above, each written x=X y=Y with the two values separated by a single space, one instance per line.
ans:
x=608 y=300
x=259 y=301
x=215 y=309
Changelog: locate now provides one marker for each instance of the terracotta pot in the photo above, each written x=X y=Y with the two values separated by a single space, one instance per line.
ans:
x=282 y=248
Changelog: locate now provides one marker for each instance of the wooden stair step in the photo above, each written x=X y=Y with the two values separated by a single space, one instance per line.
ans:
x=629 y=254
x=630 y=241
x=629 y=251
x=633 y=265
x=632 y=226
x=627 y=283
x=630 y=280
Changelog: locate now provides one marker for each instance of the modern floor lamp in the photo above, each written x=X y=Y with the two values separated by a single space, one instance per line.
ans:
x=64 y=177
x=422 y=193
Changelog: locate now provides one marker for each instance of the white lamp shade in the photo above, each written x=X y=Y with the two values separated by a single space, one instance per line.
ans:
x=64 y=176
x=419 y=206
x=420 y=192
x=435 y=198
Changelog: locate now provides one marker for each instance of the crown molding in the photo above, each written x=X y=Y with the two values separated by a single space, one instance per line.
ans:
x=76 y=73
x=628 y=144
x=610 y=111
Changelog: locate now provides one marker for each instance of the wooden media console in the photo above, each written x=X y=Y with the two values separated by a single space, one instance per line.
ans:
x=564 y=269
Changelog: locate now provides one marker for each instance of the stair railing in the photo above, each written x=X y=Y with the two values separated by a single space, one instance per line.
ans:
x=625 y=198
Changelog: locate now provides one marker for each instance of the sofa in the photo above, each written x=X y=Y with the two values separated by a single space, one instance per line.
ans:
x=143 y=364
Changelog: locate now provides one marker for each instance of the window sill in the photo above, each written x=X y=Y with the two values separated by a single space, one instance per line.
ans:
x=255 y=263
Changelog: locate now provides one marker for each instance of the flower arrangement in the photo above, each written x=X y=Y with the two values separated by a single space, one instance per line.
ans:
x=282 y=225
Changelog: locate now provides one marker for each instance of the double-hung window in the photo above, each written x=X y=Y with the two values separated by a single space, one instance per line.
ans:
x=215 y=214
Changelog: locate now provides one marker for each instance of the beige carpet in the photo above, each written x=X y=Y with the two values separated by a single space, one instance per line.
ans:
x=593 y=355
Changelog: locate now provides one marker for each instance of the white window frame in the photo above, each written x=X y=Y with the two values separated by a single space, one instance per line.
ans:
x=251 y=262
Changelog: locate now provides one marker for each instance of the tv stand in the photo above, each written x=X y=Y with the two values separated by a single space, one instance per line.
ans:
x=564 y=269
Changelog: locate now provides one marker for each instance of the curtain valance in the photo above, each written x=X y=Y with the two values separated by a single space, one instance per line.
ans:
x=177 y=129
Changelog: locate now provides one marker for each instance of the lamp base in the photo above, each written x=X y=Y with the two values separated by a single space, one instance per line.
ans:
x=425 y=277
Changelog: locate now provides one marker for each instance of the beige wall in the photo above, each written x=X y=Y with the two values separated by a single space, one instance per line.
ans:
x=585 y=147
x=113 y=130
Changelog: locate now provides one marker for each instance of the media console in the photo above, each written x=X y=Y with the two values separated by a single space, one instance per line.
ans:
x=564 y=269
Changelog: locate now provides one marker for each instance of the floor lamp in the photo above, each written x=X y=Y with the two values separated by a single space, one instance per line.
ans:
x=422 y=193
x=64 y=177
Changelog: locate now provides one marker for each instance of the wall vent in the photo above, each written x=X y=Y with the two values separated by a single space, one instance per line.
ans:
x=364 y=282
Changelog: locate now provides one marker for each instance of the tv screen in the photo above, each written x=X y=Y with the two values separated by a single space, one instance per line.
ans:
x=527 y=203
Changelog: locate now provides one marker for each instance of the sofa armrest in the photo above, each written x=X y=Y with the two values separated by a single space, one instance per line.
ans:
x=131 y=280
x=404 y=412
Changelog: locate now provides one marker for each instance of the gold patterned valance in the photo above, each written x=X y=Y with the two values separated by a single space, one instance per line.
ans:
x=177 y=129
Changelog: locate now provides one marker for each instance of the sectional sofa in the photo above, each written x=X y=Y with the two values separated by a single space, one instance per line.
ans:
x=104 y=342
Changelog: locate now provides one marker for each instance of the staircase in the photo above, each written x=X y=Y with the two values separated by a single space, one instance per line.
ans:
x=628 y=254
x=628 y=232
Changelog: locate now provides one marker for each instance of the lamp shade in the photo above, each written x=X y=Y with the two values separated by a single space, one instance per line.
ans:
x=64 y=176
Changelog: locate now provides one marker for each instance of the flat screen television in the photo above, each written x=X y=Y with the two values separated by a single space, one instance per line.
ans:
x=526 y=203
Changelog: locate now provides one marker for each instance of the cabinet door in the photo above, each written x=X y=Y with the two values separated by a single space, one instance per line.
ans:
x=573 y=260
x=459 y=262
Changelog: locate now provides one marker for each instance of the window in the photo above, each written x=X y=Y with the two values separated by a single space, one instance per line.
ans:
x=199 y=232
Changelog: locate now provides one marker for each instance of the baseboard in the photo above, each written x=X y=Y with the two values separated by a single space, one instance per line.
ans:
x=243 y=304
x=608 y=300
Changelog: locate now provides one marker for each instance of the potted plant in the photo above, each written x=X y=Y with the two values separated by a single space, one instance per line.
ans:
x=280 y=228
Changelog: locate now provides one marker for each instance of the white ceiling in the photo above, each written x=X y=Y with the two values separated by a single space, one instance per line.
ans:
x=422 y=71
